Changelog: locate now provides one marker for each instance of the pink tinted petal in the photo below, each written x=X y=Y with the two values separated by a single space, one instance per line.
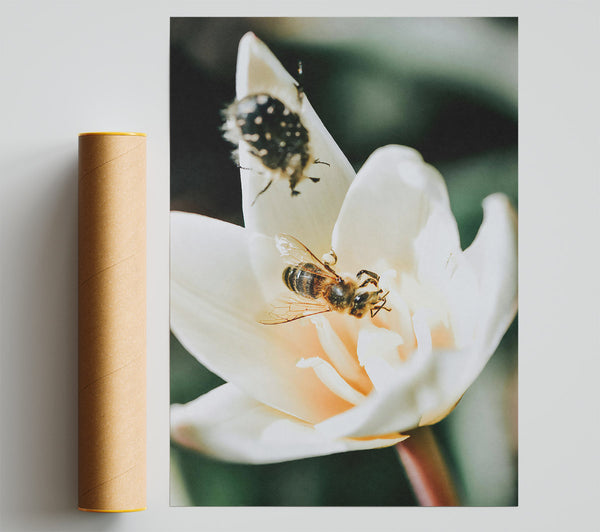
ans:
x=420 y=388
x=340 y=357
x=215 y=303
x=329 y=376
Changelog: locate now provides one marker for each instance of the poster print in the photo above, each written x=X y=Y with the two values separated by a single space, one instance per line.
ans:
x=343 y=262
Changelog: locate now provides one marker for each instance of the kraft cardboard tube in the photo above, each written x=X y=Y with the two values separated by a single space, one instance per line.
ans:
x=112 y=322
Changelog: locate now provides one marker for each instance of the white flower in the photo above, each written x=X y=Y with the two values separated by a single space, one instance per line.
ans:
x=333 y=383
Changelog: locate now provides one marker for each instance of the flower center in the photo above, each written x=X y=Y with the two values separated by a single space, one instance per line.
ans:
x=360 y=356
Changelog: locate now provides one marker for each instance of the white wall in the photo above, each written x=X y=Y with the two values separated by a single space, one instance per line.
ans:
x=68 y=67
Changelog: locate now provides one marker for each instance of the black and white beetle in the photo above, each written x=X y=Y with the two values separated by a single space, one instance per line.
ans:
x=275 y=135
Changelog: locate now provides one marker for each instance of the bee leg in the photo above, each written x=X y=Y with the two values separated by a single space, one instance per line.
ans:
x=371 y=274
x=261 y=192
x=317 y=161
x=381 y=304
x=329 y=263
x=368 y=281
x=294 y=178
x=375 y=310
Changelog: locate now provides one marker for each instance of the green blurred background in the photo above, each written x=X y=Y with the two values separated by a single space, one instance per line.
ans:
x=446 y=87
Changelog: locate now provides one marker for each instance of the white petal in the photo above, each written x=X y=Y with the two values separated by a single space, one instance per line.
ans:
x=400 y=319
x=422 y=333
x=493 y=257
x=418 y=388
x=332 y=379
x=227 y=424
x=377 y=350
x=395 y=198
x=215 y=303
x=338 y=354
x=258 y=70
x=459 y=287
x=394 y=406
x=311 y=216
x=436 y=245
x=428 y=385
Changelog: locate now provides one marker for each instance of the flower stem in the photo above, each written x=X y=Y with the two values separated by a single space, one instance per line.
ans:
x=426 y=469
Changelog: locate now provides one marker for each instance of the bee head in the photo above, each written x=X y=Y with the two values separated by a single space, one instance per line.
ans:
x=362 y=303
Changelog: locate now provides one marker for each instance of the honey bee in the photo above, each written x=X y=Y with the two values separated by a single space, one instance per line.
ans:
x=317 y=288
x=274 y=134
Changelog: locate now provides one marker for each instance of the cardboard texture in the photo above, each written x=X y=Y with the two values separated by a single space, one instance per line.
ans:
x=112 y=322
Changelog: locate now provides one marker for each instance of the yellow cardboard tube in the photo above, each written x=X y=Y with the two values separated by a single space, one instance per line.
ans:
x=112 y=322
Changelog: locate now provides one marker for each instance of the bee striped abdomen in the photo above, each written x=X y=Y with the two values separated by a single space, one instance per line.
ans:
x=312 y=279
x=304 y=279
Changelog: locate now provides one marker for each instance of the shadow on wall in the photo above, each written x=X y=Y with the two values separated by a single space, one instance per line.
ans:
x=38 y=377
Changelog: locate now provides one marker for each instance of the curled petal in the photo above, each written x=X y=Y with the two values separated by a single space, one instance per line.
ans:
x=227 y=424
x=311 y=216
x=395 y=201
x=493 y=258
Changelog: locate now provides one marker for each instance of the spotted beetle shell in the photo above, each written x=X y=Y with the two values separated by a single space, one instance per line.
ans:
x=274 y=133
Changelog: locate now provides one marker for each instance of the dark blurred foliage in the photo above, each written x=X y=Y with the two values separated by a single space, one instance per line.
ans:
x=446 y=87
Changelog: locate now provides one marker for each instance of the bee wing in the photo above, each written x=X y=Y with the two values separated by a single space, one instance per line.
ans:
x=295 y=252
x=293 y=308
